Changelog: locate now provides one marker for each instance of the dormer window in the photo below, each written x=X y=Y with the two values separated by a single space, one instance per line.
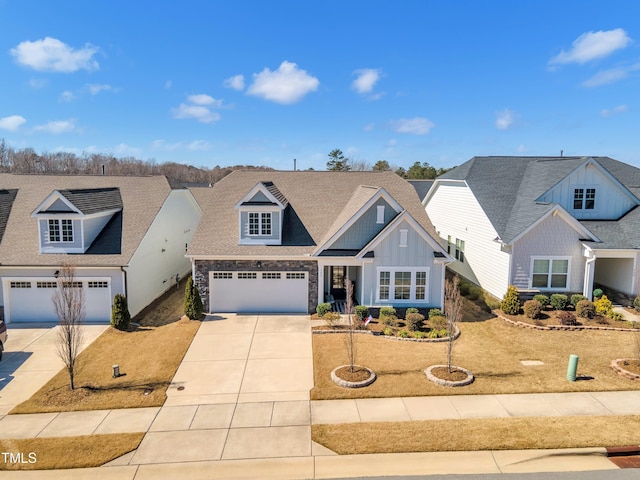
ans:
x=584 y=198
x=259 y=223
x=60 y=230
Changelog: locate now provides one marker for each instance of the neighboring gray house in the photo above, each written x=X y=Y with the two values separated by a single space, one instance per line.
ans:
x=124 y=235
x=547 y=224
x=285 y=241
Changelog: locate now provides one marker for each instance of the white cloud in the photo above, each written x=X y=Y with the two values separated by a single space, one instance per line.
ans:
x=612 y=75
x=606 y=113
x=52 y=55
x=521 y=148
x=366 y=79
x=67 y=96
x=205 y=100
x=199 y=146
x=12 y=122
x=124 y=149
x=197 y=112
x=369 y=127
x=593 y=45
x=236 y=82
x=57 y=126
x=286 y=85
x=504 y=119
x=415 y=126
x=167 y=147
x=95 y=89
x=38 y=83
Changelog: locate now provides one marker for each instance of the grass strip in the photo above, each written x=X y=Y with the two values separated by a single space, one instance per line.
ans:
x=66 y=452
x=479 y=434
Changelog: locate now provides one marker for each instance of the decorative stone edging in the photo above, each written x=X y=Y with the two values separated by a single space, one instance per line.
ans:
x=347 y=384
x=621 y=371
x=449 y=383
x=562 y=327
x=393 y=337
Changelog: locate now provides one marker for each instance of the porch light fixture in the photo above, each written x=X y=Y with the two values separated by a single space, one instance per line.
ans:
x=259 y=264
x=56 y=273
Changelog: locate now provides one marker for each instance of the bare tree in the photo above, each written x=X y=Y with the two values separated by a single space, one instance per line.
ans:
x=350 y=340
x=68 y=301
x=452 y=311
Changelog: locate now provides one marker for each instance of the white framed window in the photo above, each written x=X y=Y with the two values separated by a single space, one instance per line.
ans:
x=271 y=275
x=584 y=198
x=404 y=233
x=60 y=230
x=449 y=244
x=20 y=284
x=259 y=223
x=97 y=284
x=222 y=275
x=402 y=284
x=247 y=275
x=46 y=284
x=296 y=276
x=550 y=273
x=380 y=214
x=460 y=250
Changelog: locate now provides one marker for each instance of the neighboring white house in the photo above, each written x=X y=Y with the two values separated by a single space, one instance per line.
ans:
x=126 y=235
x=285 y=241
x=547 y=224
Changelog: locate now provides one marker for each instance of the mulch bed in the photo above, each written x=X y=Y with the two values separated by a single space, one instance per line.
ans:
x=632 y=366
x=359 y=374
x=451 y=376
x=549 y=318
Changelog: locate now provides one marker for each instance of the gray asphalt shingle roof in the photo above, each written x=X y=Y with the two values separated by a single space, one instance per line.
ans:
x=507 y=189
x=421 y=186
x=141 y=200
x=94 y=200
x=318 y=201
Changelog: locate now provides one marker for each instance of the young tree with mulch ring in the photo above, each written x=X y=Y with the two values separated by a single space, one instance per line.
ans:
x=68 y=302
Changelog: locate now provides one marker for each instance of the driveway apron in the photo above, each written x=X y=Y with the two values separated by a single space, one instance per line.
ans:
x=241 y=392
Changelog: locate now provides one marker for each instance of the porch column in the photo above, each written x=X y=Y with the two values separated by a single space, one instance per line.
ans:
x=589 y=270
x=320 y=283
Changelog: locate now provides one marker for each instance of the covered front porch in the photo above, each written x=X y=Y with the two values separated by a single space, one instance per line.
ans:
x=331 y=284
x=615 y=269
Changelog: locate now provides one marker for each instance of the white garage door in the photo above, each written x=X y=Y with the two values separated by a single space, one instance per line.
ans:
x=29 y=299
x=285 y=292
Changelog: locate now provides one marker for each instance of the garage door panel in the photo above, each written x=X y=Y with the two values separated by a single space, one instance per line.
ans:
x=285 y=292
x=30 y=300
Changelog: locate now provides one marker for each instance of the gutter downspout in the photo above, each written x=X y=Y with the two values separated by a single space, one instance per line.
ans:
x=444 y=271
x=124 y=282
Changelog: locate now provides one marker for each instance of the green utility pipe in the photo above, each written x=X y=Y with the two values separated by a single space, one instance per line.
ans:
x=573 y=367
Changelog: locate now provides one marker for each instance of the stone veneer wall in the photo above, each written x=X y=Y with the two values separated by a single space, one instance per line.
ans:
x=203 y=267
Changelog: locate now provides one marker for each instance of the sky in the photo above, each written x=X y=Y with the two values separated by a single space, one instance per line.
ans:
x=223 y=83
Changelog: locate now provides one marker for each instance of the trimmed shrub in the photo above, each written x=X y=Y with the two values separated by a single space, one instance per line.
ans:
x=362 y=312
x=411 y=310
x=618 y=317
x=120 y=317
x=597 y=293
x=559 y=301
x=475 y=292
x=414 y=321
x=585 y=309
x=435 y=312
x=419 y=334
x=532 y=308
x=323 y=308
x=577 y=298
x=388 y=332
x=543 y=299
x=511 y=302
x=388 y=320
x=332 y=318
x=438 y=322
x=192 y=301
x=387 y=311
x=603 y=305
x=636 y=303
x=567 y=318
x=404 y=334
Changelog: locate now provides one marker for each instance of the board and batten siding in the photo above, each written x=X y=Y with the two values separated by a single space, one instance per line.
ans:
x=455 y=211
x=161 y=254
x=365 y=228
x=610 y=202
x=417 y=253
x=553 y=237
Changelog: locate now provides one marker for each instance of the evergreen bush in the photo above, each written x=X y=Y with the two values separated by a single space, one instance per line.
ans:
x=636 y=303
x=603 y=306
x=559 y=301
x=511 y=302
x=120 y=316
x=414 y=321
x=362 y=312
x=192 y=301
x=532 y=308
x=323 y=308
x=585 y=309
x=543 y=299
x=435 y=312
x=577 y=298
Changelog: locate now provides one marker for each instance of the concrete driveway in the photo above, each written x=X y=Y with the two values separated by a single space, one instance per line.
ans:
x=242 y=391
x=30 y=360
